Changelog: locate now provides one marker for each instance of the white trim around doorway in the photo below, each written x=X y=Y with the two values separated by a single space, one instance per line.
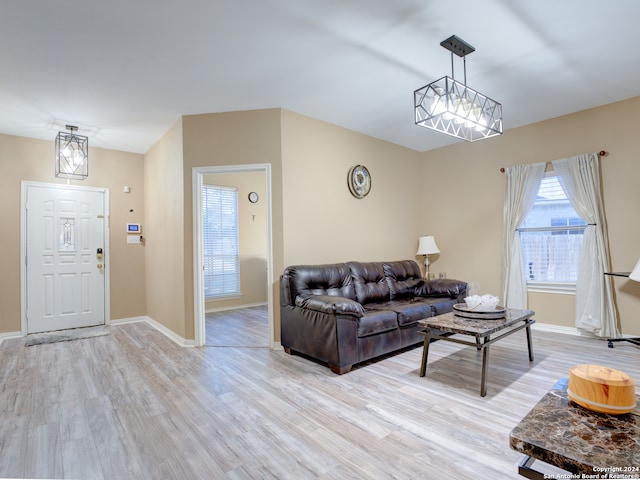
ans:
x=198 y=174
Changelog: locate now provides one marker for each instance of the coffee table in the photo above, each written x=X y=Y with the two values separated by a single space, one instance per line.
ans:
x=587 y=444
x=443 y=327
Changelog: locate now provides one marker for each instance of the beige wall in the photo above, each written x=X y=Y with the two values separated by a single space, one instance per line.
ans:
x=323 y=222
x=164 y=232
x=454 y=193
x=315 y=218
x=33 y=160
x=234 y=138
x=465 y=182
x=252 y=233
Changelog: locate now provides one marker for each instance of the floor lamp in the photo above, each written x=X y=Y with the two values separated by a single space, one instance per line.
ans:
x=635 y=276
x=427 y=246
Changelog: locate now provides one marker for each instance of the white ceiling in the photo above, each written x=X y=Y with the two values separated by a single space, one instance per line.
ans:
x=125 y=70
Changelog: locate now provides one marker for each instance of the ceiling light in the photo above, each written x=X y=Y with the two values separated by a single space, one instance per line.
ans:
x=451 y=107
x=72 y=154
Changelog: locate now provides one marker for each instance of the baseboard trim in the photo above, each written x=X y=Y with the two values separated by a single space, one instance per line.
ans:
x=123 y=321
x=547 y=327
x=239 y=307
x=158 y=326
x=10 y=335
x=151 y=322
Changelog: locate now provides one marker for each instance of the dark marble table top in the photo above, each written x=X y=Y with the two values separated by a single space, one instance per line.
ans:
x=450 y=322
x=562 y=433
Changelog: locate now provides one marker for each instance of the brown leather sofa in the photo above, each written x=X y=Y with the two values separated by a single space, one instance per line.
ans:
x=345 y=313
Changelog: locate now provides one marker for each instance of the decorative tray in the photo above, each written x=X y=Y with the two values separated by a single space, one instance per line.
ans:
x=461 y=310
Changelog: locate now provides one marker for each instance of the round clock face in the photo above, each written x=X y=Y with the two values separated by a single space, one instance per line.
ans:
x=253 y=197
x=359 y=181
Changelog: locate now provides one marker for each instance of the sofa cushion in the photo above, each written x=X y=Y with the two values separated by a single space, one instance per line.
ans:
x=442 y=305
x=408 y=312
x=443 y=286
x=334 y=279
x=403 y=278
x=369 y=282
x=330 y=304
x=376 y=321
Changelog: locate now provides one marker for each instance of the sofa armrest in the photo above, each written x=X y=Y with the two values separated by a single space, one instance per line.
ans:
x=330 y=304
x=442 y=287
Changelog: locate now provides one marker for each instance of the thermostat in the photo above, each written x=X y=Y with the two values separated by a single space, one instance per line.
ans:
x=133 y=228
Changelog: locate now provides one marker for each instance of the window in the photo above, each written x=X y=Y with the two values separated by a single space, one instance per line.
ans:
x=551 y=238
x=220 y=241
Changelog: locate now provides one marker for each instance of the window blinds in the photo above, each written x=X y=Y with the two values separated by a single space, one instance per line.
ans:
x=220 y=241
x=551 y=236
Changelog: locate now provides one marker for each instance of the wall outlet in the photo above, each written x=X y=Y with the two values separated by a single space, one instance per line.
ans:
x=432 y=276
x=442 y=275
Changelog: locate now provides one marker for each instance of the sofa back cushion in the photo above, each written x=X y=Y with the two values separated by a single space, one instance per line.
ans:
x=403 y=277
x=369 y=282
x=334 y=279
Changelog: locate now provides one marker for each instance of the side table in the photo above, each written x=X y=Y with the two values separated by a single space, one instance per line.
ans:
x=588 y=444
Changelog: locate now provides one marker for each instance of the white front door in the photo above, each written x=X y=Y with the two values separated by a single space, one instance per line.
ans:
x=65 y=257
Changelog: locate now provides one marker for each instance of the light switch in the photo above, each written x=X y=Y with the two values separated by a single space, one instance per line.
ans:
x=134 y=239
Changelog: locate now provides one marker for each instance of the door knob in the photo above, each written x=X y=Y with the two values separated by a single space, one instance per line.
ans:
x=99 y=265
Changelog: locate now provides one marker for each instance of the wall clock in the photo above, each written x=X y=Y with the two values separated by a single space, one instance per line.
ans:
x=253 y=197
x=359 y=181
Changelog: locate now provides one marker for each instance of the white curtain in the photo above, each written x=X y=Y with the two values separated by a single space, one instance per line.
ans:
x=523 y=182
x=595 y=310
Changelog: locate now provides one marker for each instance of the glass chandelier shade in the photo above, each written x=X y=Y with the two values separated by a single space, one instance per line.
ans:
x=451 y=107
x=72 y=155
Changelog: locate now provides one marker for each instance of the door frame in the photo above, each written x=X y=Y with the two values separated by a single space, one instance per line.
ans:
x=25 y=185
x=198 y=174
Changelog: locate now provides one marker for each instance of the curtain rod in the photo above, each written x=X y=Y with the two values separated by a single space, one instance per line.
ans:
x=601 y=153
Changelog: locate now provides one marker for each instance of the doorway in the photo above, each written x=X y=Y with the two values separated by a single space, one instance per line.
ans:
x=198 y=180
x=64 y=252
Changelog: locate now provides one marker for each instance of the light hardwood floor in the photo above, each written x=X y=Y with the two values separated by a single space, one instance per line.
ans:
x=244 y=327
x=134 y=405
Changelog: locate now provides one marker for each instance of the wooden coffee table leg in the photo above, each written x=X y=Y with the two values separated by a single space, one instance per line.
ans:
x=425 y=354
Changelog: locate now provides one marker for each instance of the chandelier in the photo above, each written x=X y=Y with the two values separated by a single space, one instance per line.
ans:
x=451 y=107
x=72 y=154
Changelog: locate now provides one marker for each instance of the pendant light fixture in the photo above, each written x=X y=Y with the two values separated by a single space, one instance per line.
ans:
x=72 y=154
x=451 y=107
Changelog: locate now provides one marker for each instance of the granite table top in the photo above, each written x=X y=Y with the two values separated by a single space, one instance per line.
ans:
x=595 y=445
x=450 y=322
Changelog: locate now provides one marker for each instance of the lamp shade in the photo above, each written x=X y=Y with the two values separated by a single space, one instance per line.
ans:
x=427 y=246
x=635 y=274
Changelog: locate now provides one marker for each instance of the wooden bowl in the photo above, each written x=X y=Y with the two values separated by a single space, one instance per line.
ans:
x=602 y=389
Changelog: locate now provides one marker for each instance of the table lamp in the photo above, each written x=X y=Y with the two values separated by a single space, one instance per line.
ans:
x=635 y=274
x=427 y=246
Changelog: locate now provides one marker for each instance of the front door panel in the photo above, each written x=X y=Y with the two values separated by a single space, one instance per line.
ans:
x=65 y=276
